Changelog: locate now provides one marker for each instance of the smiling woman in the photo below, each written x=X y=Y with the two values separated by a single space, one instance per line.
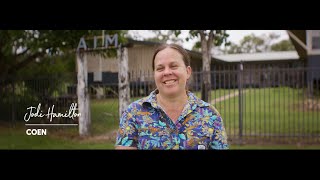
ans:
x=171 y=117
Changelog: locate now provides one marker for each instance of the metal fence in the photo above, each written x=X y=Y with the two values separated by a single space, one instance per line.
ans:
x=54 y=93
x=261 y=104
x=268 y=104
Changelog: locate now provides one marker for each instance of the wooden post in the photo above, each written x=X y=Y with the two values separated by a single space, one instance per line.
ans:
x=123 y=78
x=206 y=61
x=82 y=93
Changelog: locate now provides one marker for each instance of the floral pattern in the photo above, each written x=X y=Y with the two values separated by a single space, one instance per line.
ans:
x=146 y=126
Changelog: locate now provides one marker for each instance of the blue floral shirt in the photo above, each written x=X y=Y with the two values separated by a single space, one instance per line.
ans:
x=146 y=126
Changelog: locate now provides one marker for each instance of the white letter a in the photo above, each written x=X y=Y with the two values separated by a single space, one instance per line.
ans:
x=82 y=44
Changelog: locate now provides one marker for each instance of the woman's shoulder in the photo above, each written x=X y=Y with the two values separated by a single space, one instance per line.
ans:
x=137 y=103
x=214 y=109
x=193 y=99
x=203 y=104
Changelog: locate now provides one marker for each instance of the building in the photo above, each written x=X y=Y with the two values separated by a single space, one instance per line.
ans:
x=104 y=71
x=307 y=44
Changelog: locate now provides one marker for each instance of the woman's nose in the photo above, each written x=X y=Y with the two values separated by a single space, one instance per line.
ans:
x=167 y=71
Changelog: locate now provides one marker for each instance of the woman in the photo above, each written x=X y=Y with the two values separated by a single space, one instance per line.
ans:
x=171 y=117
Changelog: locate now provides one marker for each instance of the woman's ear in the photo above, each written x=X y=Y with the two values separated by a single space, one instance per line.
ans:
x=189 y=71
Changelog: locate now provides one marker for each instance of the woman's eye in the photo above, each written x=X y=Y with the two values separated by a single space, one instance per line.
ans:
x=159 y=69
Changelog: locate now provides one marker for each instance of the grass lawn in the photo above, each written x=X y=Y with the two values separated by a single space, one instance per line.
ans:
x=274 y=147
x=282 y=113
x=271 y=111
x=104 y=117
x=16 y=138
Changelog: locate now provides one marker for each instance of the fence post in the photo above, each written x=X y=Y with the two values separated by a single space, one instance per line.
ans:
x=83 y=95
x=240 y=71
x=13 y=104
x=123 y=80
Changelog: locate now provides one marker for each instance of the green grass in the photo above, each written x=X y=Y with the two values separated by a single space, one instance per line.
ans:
x=271 y=111
x=16 y=138
x=104 y=115
x=215 y=93
x=273 y=147
x=104 y=119
x=278 y=111
x=281 y=114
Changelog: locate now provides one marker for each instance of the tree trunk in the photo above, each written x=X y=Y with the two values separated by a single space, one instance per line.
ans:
x=206 y=59
x=83 y=96
x=123 y=79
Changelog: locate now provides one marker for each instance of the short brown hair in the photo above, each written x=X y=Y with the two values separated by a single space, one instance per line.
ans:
x=180 y=49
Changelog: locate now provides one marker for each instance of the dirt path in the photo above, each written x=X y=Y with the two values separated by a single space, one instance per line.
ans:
x=111 y=136
x=227 y=97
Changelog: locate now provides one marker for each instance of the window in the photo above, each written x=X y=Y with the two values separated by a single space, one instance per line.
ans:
x=315 y=42
x=97 y=76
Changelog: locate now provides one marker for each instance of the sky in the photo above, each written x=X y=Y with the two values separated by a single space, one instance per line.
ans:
x=235 y=35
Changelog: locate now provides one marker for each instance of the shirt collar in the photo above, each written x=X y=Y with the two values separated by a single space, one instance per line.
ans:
x=192 y=100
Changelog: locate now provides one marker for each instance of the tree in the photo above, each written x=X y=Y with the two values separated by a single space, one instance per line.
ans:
x=197 y=46
x=18 y=48
x=269 y=40
x=254 y=44
x=164 y=36
x=284 y=45
x=208 y=39
x=233 y=49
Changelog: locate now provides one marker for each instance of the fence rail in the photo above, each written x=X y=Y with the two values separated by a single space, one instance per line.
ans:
x=257 y=104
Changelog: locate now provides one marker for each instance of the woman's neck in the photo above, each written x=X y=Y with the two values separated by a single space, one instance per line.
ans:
x=170 y=102
x=172 y=106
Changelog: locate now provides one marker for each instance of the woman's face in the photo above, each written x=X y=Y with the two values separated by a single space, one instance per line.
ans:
x=170 y=72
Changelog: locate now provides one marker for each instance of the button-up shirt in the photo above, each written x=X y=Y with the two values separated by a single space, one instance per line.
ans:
x=146 y=126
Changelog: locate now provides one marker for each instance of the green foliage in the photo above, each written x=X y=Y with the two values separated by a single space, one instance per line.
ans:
x=264 y=43
x=48 y=66
x=219 y=37
x=284 y=45
x=49 y=77
x=37 y=64
x=252 y=44
x=197 y=46
x=234 y=49
x=18 y=48
x=163 y=36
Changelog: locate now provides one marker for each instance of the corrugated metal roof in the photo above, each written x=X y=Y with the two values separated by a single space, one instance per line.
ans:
x=245 y=57
x=266 y=56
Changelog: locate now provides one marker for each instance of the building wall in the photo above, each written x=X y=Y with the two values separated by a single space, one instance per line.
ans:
x=314 y=64
x=100 y=64
x=140 y=62
x=254 y=74
x=139 y=57
x=314 y=61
